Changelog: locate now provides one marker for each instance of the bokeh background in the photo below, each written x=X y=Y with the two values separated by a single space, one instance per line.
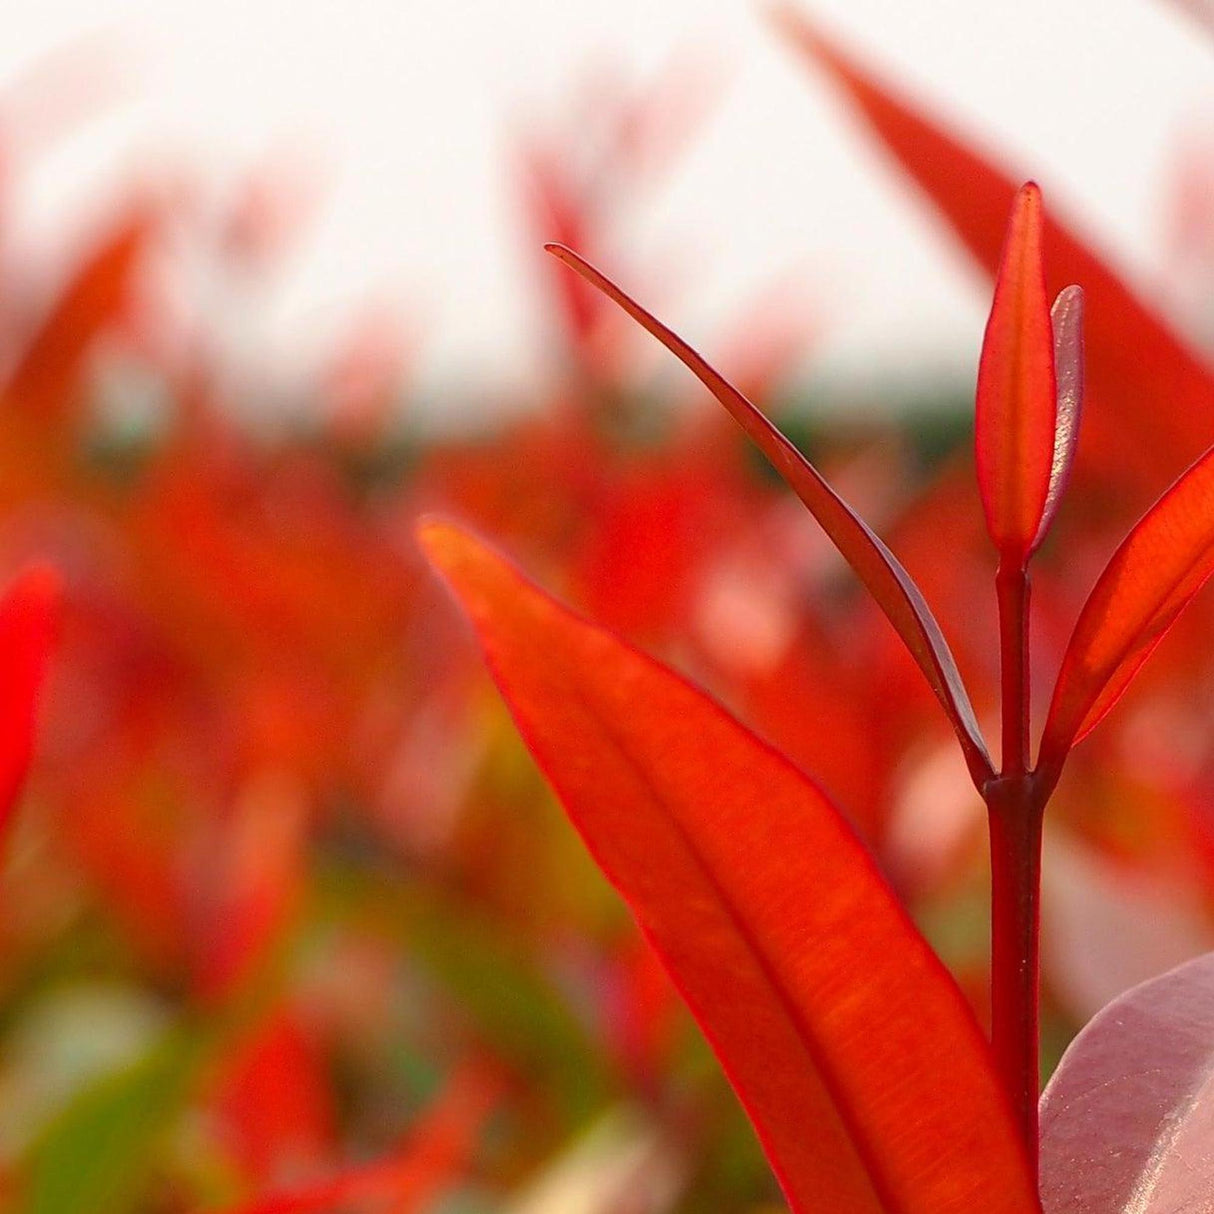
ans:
x=289 y=920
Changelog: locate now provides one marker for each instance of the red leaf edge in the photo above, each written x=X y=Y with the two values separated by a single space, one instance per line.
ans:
x=837 y=1009
x=873 y=563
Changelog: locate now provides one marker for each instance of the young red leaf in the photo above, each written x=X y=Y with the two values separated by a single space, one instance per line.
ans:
x=29 y=614
x=95 y=298
x=1159 y=567
x=1128 y=1118
x=854 y=1053
x=872 y=561
x=433 y=1157
x=1066 y=318
x=1135 y=359
x=1014 y=433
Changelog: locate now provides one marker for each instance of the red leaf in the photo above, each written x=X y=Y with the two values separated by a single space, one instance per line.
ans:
x=94 y=299
x=434 y=1155
x=872 y=561
x=827 y=1009
x=1128 y=1118
x=1014 y=434
x=29 y=616
x=1135 y=362
x=1159 y=567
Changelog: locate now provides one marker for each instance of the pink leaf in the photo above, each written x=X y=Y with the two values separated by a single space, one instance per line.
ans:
x=1127 y=1122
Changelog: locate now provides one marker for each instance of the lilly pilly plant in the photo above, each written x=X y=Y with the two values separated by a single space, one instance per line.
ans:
x=866 y=1076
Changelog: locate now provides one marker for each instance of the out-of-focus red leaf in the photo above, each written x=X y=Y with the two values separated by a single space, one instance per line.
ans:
x=871 y=560
x=1201 y=11
x=275 y=1101
x=45 y=380
x=432 y=1157
x=1128 y=1118
x=1014 y=430
x=1135 y=361
x=29 y=615
x=1159 y=567
x=1066 y=318
x=255 y=885
x=827 y=1009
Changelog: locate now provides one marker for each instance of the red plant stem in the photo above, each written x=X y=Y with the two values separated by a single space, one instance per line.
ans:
x=1012 y=588
x=1015 y=815
x=1015 y=826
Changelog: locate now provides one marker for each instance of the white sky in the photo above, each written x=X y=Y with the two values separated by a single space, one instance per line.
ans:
x=405 y=109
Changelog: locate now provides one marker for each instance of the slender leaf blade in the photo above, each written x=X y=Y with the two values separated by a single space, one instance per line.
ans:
x=1127 y=1121
x=1135 y=361
x=825 y=1006
x=1151 y=578
x=1016 y=406
x=873 y=563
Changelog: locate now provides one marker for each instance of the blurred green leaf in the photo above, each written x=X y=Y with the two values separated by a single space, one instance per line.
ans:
x=97 y=1154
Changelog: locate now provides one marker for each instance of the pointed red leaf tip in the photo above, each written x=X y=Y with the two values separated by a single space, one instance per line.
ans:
x=873 y=563
x=1128 y=1118
x=851 y=1048
x=29 y=618
x=1014 y=430
x=1136 y=361
x=1151 y=578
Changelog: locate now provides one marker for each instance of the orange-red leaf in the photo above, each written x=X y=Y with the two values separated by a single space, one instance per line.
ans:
x=872 y=561
x=44 y=382
x=857 y=1058
x=1135 y=361
x=1014 y=432
x=1159 y=567
x=433 y=1156
x=29 y=614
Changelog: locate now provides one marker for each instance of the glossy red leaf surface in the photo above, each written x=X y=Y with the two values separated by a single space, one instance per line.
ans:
x=871 y=560
x=1127 y=1122
x=1159 y=567
x=1135 y=360
x=855 y=1054
x=1014 y=430
x=29 y=615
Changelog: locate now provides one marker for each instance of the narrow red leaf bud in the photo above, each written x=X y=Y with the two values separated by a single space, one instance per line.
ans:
x=1016 y=406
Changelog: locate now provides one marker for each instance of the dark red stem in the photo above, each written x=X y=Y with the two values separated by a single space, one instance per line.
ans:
x=1015 y=826
x=1012 y=587
x=1015 y=812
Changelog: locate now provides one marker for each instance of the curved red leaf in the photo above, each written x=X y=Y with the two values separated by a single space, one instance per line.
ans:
x=45 y=380
x=1158 y=569
x=873 y=563
x=1135 y=360
x=1016 y=407
x=858 y=1060
x=1127 y=1121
